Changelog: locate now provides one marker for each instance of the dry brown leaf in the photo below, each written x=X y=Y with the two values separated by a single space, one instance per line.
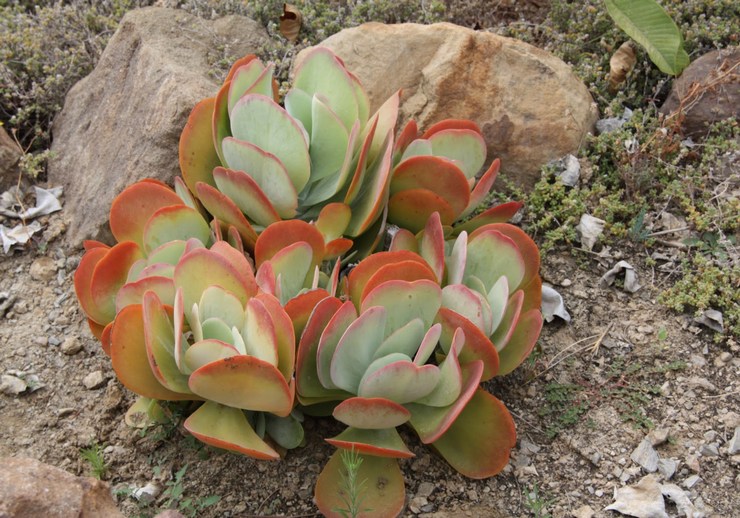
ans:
x=290 y=22
x=620 y=64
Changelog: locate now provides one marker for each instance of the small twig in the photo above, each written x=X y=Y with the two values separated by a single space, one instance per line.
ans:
x=672 y=244
x=526 y=422
x=723 y=395
x=594 y=347
x=267 y=499
x=597 y=343
x=669 y=231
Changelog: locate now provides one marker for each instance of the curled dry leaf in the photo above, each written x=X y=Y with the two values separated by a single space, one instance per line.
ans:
x=620 y=64
x=290 y=22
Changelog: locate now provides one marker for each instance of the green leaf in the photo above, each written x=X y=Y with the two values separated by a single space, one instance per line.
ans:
x=648 y=24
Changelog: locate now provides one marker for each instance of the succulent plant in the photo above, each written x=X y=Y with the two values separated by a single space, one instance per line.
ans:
x=411 y=345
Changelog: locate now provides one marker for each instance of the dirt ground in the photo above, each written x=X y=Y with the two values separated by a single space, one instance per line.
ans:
x=582 y=404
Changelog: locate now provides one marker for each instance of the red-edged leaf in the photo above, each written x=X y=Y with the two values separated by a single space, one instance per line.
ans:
x=498 y=214
x=83 y=279
x=522 y=341
x=437 y=174
x=371 y=413
x=433 y=245
x=197 y=153
x=384 y=493
x=224 y=210
x=409 y=133
x=378 y=442
x=130 y=359
x=361 y=274
x=131 y=209
x=109 y=275
x=451 y=124
x=300 y=308
x=227 y=428
x=284 y=233
x=406 y=270
x=477 y=345
x=410 y=209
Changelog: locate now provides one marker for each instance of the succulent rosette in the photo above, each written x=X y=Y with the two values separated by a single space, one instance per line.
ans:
x=411 y=345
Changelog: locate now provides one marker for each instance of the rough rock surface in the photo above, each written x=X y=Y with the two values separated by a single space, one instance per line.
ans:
x=531 y=107
x=708 y=91
x=123 y=122
x=29 y=488
x=10 y=153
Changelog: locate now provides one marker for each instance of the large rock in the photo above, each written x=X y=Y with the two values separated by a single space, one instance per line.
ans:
x=123 y=122
x=29 y=489
x=531 y=107
x=706 y=92
x=10 y=154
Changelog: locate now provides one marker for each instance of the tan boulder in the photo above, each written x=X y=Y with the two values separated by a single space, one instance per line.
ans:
x=29 y=489
x=530 y=106
x=123 y=122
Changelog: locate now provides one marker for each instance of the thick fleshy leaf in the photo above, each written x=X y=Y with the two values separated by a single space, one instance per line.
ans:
x=286 y=431
x=522 y=341
x=411 y=209
x=83 y=279
x=197 y=154
x=363 y=100
x=466 y=147
x=384 y=442
x=333 y=220
x=133 y=292
x=384 y=493
x=479 y=441
x=253 y=77
x=432 y=246
x=374 y=188
x=261 y=121
x=206 y=351
x=470 y=304
x=216 y=302
x=449 y=124
x=498 y=297
x=436 y=174
x=332 y=333
x=371 y=413
x=292 y=267
x=215 y=328
x=408 y=134
x=169 y=253
x=432 y=422
x=402 y=270
x=160 y=343
x=240 y=262
x=174 y=223
x=105 y=337
x=307 y=380
x=110 y=273
x=259 y=333
x=492 y=254
x=405 y=301
x=403 y=240
x=299 y=308
x=356 y=349
x=285 y=233
x=144 y=413
x=366 y=269
x=131 y=209
x=457 y=259
x=244 y=382
x=130 y=359
x=329 y=139
x=227 y=428
x=298 y=105
x=384 y=121
x=322 y=73
x=497 y=214
x=428 y=344
x=284 y=334
x=449 y=386
x=399 y=380
x=247 y=195
x=203 y=268
x=419 y=147
x=477 y=345
x=225 y=211
x=405 y=340
x=506 y=327
x=482 y=188
x=266 y=170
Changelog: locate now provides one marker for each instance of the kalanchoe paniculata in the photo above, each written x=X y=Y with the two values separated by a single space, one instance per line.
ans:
x=235 y=289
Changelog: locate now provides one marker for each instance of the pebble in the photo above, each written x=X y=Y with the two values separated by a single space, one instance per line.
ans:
x=148 y=493
x=12 y=385
x=71 y=346
x=658 y=436
x=667 y=467
x=43 y=269
x=43 y=341
x=94 y=380
x=709 y=450
x=583 y=512
x=425 y=489
x=646 y=456
x=64 y=412
x=734 y=446
x=53 y=340
x=691 y=481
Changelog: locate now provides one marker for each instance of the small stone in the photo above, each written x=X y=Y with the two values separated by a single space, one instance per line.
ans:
x=425 y=489
x=43 y=269
x=71 y=346
x=692 y=462
x=147 y=494
x=658 y=436
x=734 y=446
x=583 y=512
x=691 y=481
x=646 y=456
x=417 y=503
x=709 y=450
x=64 y=412
x=725 y=357
x=43 y=341
x=12 y=385
x=94 y=380
x=667 y=467
x=53 y=340
x=565 y=283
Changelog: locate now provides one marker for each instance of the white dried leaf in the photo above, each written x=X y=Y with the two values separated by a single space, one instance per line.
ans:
x=589 y=229
x=712 y=319
x=18 y=235
x=681 y=499
x=553 y=305
x=643 y=500
x=630 y=276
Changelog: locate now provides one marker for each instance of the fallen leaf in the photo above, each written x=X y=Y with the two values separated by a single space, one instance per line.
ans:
x=713 y=319
x=630 y=276
x=681 y=499
x=553 y=305
x=643 y=500
x=589 y=229
x=621 y=64
x=290 y=22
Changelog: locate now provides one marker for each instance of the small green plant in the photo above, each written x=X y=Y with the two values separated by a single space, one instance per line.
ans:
x=564 y=407
x=94 y=456
x=174 y=496
x=352 y=489
x=536 y=502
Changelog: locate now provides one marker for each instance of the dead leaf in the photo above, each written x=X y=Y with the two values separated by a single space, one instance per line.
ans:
x=643 y=500
x=630 y=276
x=290 y=22
x=552 y=304
x=589 y=229
x=620 y=64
